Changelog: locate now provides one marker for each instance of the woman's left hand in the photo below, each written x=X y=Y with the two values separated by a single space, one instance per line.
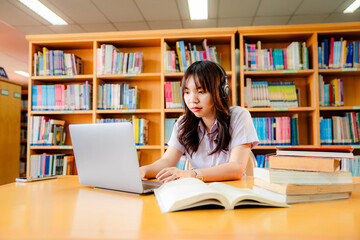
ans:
x=173 y=173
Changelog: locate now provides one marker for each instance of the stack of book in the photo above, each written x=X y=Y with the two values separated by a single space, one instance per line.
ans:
x=299 y=174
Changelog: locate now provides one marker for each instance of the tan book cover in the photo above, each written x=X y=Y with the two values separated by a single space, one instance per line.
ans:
x=305 y=163
x=294 y=189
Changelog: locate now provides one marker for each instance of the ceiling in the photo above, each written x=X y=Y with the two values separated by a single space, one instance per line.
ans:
x=16 y=20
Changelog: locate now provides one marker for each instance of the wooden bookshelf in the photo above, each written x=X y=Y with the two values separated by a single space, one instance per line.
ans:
x=10 y=105
x=150 y=82
x=307 y=80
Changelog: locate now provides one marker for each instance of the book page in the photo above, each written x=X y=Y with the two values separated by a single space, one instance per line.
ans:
x=236 y=196
x=185 y=193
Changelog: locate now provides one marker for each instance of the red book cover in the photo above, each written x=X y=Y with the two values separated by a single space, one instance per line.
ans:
x=272 y=67
x=331 y=99
x=285 y=58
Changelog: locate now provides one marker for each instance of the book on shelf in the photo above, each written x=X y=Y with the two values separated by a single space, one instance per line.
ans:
x=52 y=164
x=340 y=129
x=173 y=94
x=270 y=94
x=331 y=92
x=338 y=53
x=169 y=125
x=320 y=164
x=296 y=189
x=277 y=130
x=302 y=177
x=286 y=198
x=117 y=96
x=45 y=131
x=179 y=57
x=60 y=97
x=112 y=60
x=56 y=63
x=315 y=152
x=294 y=57
x=351 y=165
x=187 y=193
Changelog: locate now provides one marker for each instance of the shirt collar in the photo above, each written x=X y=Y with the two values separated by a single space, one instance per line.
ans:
x=202 y=128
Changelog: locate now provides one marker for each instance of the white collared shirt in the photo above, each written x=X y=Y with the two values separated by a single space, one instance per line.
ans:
x=242 y=131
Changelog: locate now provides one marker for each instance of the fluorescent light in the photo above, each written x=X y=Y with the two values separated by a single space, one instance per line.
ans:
x=44 y=12
x=355 y=5
x=198 y=9
x=22 y=73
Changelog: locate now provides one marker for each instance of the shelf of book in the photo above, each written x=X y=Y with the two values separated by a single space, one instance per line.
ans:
x=97 y=69
x=282 y=109
x=131 y=77
x=280 y=73
x=63 y=78
x=75 y=112
x=67 y=147
x=333 y=51
x=128 y=111
x=278 y=85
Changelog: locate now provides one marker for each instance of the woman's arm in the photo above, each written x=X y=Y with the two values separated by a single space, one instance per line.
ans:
x=234 y=169
x=169 y=159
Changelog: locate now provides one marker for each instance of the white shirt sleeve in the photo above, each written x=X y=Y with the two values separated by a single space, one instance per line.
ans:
x=174 y=142
x=242 y=128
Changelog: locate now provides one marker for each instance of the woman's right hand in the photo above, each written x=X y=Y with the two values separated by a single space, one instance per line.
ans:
x=142 y=173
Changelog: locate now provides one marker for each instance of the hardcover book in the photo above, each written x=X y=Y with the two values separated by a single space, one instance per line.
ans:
x=301 y=198
x=305 y=163
x=315 y=152
x=295 y=189
x=302 y=177
x=187 y=193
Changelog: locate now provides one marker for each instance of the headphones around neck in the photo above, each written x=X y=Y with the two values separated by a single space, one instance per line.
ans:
x=224 y=87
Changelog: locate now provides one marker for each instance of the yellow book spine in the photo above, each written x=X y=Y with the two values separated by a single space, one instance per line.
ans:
x=45 y=50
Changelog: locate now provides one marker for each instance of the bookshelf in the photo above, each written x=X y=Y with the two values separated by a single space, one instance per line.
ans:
x=307 y=80
x=150 y=82
x=10 y=102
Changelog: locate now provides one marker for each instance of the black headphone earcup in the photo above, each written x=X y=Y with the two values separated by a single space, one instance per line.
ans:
x=226 y=89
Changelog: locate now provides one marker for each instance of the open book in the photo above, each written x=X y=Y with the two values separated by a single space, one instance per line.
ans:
x=188 y=193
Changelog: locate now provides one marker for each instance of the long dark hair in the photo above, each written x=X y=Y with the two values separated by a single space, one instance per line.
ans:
x=208 y=76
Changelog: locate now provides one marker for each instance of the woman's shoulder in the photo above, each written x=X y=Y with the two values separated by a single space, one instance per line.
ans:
x=237 y=110
x=239 y=115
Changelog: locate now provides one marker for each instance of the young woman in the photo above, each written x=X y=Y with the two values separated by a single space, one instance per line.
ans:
x=216 y=138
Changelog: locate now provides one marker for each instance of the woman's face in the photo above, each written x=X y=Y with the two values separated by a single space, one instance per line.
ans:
x=198 y=101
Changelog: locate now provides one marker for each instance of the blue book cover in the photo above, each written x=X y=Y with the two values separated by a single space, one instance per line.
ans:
x=41 y=65
x=183 y=55
x=47 y=164
x=356 y=54
x=349 y=63
x=322 y=131
x=34 y=98
x=44 y=97
x=326 y=53
x=326 y=95
x=329 y=131
x=320 y=57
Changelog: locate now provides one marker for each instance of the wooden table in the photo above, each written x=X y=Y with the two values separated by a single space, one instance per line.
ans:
x=64 y=209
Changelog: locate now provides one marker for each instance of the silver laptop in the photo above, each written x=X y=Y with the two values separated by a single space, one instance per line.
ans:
x=106 y=157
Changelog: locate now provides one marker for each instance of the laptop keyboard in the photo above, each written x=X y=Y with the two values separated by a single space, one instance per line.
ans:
x=150 y=184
